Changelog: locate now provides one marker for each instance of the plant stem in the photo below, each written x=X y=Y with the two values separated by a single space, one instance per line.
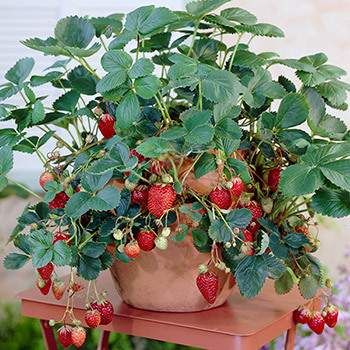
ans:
x=55 y=136
x=103 y=43
x=193 y=38
x=25 y=188
x=200 y=97
x=235 y=51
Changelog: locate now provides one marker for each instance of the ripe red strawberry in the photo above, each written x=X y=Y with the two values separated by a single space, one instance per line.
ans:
x=221 y=197
x=248 y=236
x=253 y=227
x=160 y=199
x=301 y=315
x=65 y=336
x=302 y=229
x=44 y=285
x=237 y=186
x=145 y=239
x=106 y=310
x=273 y=178
x=78 y=336
x=45 y=177
x=316 y=322
x=60 y=236
x=139 y=156
x=106 y=125
x=208 y=285
x=140 y=196
x=330 y=315
x=59 y=202
x=157 y=167
x=92 y=318
x=58 y=289
x=45 y=272
x=132 y=249
x=255 y=209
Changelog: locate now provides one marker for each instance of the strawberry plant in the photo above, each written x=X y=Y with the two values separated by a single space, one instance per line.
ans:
x=181 y=118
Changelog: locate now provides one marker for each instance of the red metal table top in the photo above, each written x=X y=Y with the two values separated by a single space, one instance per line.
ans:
x=239 y=324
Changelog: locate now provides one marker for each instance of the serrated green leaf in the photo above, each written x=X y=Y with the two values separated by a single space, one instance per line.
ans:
x=239 y=218
x=3 y=182
x=147 y=87
x=8 y=91
x=219 y=232
x=15 y=261
x=241 y=169
x=333 y=92
x=141 y=68
x=67 y=102
x=37 y=80
x=61 y=254
x=239 y=15
x=296 y=141
x=200 y=238
x=94 y=249
x=308 y=286
x=285 y=283
x=38 y=113
x=41 y=256
x=153 y=147
x=261 y=29
x=293 y=110
x=20 y=71
x=107 y=199
x=338 y=172
x=92 y=182
x=296 y=240
x=116 y=60
x=200 y=8
x=6 y=159
x=88 y=268
x=128 y=111
x=82 y=81
x=205 y=164
x=111 y=81
x=296 y=64
x=78 y=205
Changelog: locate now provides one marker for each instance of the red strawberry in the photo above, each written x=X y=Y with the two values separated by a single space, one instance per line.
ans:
x=78 y=336
x=145 y=239
x=132 y=249
x=44 y=285
x=330 y=315
x=139 y=156
x=237 y=186
x=208 y=285
x=59 y=202
x=253 y=227
x=221 y=197
x=160 y=199
x=302 y=229
x=60 y=236
x=45 y=177
x=92 y=318
x=111 y=248
x=58 y=289
x=140 y=196
x=65 y=336
x=106 y=125
x=301 y=315
x=45 y=272
x=248 y=236
x=255 y=209
x=157 y=167
x=273 y=178
x=106 y=310
x=316 y=322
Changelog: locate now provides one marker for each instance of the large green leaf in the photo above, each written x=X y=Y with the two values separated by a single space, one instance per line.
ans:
x=111 y=81
x=128 y=111
x=331 y=202
x=293 y=110
x=147 y=86
x=219 y=231
x=241 y=169
x=338 y=172
x=205 y=164
x=200 y=8
x=6 y=159
x=78 y=204
x=115 y=60
x=15 y=261
x=153 y=147
x=67 y=102
x=61 y=254
x=261 y=29
x=308 y=286
x=82 y=81
x=107 y=199
x=74 y=32
x=94 y=249
x=239 y=15
x=88 y=268
x=92 y=182
x=334 y=93
x=38 y=113
x=141 y=68
x=20 y=71
x=239 y=218
x=8 y=91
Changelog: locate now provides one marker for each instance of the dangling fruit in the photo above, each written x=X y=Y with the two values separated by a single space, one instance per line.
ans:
x=316 y=322
x=221 y=197
x=140 y=196
x=208 y=285
x=59 y=202
x=58 y=288
x=106 y=125
x=132 y=249
x=44 y=285
x=237 y=186
x=161 y=242
x=78 y=336
x=65 y=336
x=160 y=199
x=45 y=177
x=330 y=315
x=255 y=209
x=60 y=236
x=46 y=271
x=273 y=178
x=105 y=309
x=139 y=156
x=145 y=239
x=92 y=318
x=301 y=315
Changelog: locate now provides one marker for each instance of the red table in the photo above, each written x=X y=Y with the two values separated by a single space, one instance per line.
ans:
x=240 y=324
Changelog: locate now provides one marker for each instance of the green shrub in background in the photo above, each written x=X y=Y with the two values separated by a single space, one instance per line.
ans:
x=23 y=333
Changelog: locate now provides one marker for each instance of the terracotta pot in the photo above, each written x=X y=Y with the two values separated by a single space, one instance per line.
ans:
x=166 y=280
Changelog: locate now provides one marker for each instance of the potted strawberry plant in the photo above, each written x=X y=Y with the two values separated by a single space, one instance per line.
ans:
x=181 y=163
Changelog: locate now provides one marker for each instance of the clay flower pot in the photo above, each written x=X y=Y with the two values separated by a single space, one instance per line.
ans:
x=166 y=280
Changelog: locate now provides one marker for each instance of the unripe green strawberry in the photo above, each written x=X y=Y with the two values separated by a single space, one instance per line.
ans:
x=161 y=243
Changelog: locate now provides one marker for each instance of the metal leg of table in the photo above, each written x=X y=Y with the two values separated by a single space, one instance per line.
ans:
x=49 y=338
x=103 y=343
x=290 y=339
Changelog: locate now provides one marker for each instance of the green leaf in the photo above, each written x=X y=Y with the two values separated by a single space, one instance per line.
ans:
x=205 y=164
x=41 y=256
x=193 y=118
x=199 y=136
x=153 y=147
x=6 y=159
x=331 y=202
x=107 y=25
x=8 y=91
x=128 y=111
x=308 y=286
x=88 y=268
x=37 y=80
x=333 y=92
x=20 y=71
x=78 y=205
x=219 y=232
x=74 y=32
x=200 y=238
x=121 y=154
x=94 y=249
x=115 y=60
x=3 y=182
x=279 y=249
x=296 y=64
x=338 y=172
x=300 y=179
x=261 y=29
x=92 y=182
x=61 y=254
x=15 y=261
x=82 y=81
x=111 y=81
x=241 y=169
x=285 y=283
x=102 y=166
x=141 y=68
x=107 y=199
x=38 y=113
x=67 y=102
x=239 y=218
x=239 y=15
x=200 y=8
x=147 y=87
x=296 y=240
x=293 y=110
x=181 y=233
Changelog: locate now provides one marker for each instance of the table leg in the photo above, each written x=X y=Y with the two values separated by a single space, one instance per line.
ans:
x=290 y=339
x=49 y=338
x=103 y=343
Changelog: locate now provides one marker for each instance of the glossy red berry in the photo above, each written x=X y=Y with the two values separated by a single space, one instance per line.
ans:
x=273 y=178
x=59 y=202
x=237 y=186
x=92 y=318
x=160 y=199
x=255 y=208
x=132 y=249
x=301 y=315
x=106 y=310
x=44 y=285
x=106 y=125
x=60 y=236
x=330 y=315
x=146 y=239
x=208 y=285
x=140 y=196
x=65 y=336
x=45 y=272
x=221 y=197
x=316 y=322
x=78 y=336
